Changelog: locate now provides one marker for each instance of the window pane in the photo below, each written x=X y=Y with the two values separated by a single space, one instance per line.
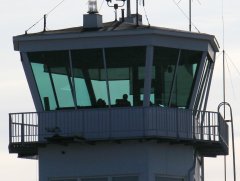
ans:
x=168 y=179
x=202 y=83
x=125 y=69
x=58 y=63
x=44 y=85
x=94 y=179
x=185 y=77
x=52 y=74
x=164 y=65
x=63 y=90
x=64 y=179
x=82 y=94
x=126 y=178
x=89 y=78
x=164 y=69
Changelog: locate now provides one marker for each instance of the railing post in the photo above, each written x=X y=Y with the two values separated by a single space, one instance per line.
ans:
x=10 y=129
x=177 y=124
x=193 y=129
x=55 y=118
x=209 y=126
x=110 y=124
x=202 y=125
x=219 y=127
x=22 y=129
x=214 y=127
x=83 y=123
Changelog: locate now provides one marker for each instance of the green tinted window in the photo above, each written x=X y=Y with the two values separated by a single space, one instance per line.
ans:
x=94 y=179
x=81 y=90
x=67 y=79
x=44 y=85
x=185 y=77
x=125 y=70
x=164 y=66
x=52 y=74
x=168 y=179
x=125 y=178
x=69 y=179
x=58 y=63
x=173 y=76
x=89 y=78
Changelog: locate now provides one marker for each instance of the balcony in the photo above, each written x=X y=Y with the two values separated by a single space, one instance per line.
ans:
x=206 y=131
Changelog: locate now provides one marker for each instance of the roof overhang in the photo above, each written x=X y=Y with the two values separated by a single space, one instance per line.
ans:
x=50 y=41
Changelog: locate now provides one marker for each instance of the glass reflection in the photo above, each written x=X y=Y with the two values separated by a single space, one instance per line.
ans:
x=125 y=69
x=82 y=78
x=173 y=75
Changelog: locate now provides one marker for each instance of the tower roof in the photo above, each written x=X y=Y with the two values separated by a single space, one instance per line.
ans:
x=115 y=29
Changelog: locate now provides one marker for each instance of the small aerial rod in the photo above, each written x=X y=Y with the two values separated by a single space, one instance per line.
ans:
x=115 y=6
x=190 y=15
x=137 y=12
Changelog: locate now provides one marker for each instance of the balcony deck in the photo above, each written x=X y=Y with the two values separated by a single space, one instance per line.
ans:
x=207 y=131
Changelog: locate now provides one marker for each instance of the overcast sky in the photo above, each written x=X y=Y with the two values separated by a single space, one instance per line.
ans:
x=18 y=15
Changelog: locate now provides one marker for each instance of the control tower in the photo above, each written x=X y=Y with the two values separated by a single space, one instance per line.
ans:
x=118 y=101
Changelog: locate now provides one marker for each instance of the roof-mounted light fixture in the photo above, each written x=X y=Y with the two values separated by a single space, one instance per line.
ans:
x=92 y=7
x=92 y=19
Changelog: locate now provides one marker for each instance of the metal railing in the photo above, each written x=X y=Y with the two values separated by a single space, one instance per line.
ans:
x=118 y=123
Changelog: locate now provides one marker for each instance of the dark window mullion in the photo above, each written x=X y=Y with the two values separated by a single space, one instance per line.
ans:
x=89 y=85
x=72 y=81
x=53 y=86
x=174 y=78
x=106 y=76
x=209 y=85
x=203 y=91
x=202 y=85
x=71 y=87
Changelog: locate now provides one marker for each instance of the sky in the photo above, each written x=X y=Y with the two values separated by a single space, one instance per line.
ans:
x=208 y=16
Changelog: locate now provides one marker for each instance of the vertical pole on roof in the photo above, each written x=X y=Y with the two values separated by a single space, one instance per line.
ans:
x=224 y=111
x=128 y=8
x=45 y=22
x=190 y=15
x=137 y=12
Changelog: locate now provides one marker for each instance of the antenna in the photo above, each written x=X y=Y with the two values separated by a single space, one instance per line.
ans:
x=116 y=6
x=128 y=8
x=190 y=15
x=44 y=18
x=137 y=12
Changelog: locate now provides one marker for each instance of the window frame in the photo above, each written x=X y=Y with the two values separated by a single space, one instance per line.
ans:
x=70 y=76
x=170 y=177
x=78 y=178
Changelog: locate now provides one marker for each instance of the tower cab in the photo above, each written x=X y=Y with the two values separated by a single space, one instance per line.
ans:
x=74 y=68
x=103 y=84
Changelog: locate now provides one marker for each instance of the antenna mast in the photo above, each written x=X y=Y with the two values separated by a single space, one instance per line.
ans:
x=128 y=8
x=190 y=15
x=116 y=6
x=137 y=12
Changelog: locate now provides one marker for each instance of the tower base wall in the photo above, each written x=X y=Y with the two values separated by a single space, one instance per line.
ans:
x=144 y=161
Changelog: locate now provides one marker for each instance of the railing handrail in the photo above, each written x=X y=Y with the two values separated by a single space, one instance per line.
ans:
x=113 y=108
x=20 y=128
